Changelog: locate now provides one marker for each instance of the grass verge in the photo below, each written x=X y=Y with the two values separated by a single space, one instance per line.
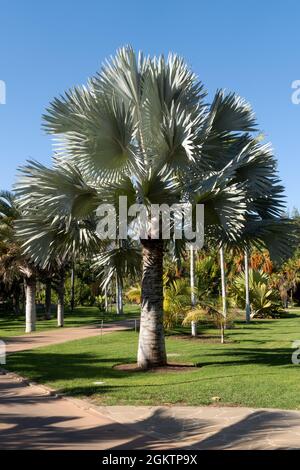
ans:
x=253 y=369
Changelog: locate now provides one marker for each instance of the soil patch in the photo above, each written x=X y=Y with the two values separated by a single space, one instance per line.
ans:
x=170 y=367
x=202 y=338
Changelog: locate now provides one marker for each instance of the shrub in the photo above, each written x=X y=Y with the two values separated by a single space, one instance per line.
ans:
x=264 y=300
x=134 y=294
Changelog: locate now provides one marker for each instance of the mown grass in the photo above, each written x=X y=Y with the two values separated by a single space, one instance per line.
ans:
x=252 y=369
x=11 y=325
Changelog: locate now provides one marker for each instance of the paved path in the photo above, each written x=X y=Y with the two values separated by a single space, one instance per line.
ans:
x=31 y=418
x=61 y=335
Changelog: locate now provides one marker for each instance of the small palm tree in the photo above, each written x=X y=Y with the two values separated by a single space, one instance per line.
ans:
x=204 y=311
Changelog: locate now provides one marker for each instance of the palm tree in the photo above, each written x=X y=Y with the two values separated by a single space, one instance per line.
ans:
x=142 y=129
x=278 y=235
x=10 y=274
x=50 y=242
x=14 y=265
x=117 y=261
x=264 y=226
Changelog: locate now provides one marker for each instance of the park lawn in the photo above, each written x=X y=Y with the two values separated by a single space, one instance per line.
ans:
x=252 y=369
x=11 y=325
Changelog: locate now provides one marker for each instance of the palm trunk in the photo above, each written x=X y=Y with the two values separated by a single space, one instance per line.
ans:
x=223 y=282
x=48 y=299
x=119 y=296
x=222 y=332
x=106 y=299
x=61 y=299
x=247 y=289
x=30 y=309
x=192 y=285
x=72 y=303
x=151 y=349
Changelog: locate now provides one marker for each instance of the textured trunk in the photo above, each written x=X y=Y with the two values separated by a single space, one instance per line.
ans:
x=72 y=289
x=61 y=299
x=223 y=282
x=151 y=350
x=30 y=309
x=119 y=297
x=48 y=299
x=247 y=289
x=192 y=285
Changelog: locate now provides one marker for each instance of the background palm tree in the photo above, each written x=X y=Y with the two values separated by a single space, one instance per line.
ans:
x=9 y=272
x=14 y=264
x=50 y=241
x=117 y=261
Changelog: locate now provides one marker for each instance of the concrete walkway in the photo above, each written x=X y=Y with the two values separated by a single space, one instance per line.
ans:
x=61 y=335
x=30 y=418
x=33 y=418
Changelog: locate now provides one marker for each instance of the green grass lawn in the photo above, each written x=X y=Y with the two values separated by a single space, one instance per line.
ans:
x=253 y=369
x=11 y=325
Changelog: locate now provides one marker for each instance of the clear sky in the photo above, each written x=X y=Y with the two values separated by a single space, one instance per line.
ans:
x=251 y=47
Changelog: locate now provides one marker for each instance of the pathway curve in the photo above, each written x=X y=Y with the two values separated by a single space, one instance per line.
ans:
x=61 y=335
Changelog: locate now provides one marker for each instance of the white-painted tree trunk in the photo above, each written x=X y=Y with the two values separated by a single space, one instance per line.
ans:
x=30 y=309
x=192 y=285
x=194 y=328
x=224 y=295
x=247 y=288
x=222 y=333
x=61 y=300
x=119 y=297
x=72 y=289
x=106 y=299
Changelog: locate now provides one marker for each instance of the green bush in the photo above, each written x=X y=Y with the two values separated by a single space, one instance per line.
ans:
x=264 y=300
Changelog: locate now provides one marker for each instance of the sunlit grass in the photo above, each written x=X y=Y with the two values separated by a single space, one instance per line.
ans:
x=252 y=369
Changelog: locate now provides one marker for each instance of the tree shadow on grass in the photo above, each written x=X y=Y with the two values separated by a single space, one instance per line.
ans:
x=46 y=367
x=76 y=373
x=241 y=356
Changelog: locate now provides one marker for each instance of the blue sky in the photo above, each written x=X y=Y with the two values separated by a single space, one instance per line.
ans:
x=251 y=47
